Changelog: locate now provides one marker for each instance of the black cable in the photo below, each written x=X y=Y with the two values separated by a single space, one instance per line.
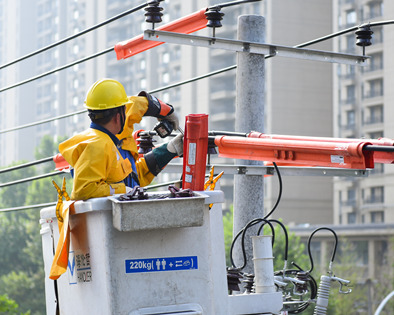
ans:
x=286 y=236
x=17 y=167
x=195 y=79
x=380 y=148
x=229 y=4
x=24 y=180
x=43 y=121
x=348 y=30
x=309 y=245
x=280 y=190
x=57 y=69
x=153 y=91
x=315 y=41
x=256 y=221
x=243 y=233
x=62 y=41
x=42 y=205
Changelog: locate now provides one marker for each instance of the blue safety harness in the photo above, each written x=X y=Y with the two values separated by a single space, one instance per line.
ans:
x=132 y=179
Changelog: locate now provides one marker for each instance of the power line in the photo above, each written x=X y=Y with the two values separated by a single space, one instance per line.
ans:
x=28 y=179
x=57 y=69
x=348 y=30
x=62 y=41
x=152 y=91
x=17 y=167
x=43 y=121
x=42 y=205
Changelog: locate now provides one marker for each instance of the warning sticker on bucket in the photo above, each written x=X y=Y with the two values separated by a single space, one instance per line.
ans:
x=161 y=264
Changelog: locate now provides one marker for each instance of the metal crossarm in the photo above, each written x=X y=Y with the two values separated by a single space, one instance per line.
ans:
x=255 y=48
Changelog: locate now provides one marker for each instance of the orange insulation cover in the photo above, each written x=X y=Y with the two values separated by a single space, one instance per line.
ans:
x=293 y=152
x=186 y=25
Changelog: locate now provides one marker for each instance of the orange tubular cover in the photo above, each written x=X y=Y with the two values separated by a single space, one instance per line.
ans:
x=293 y=152
x=379 y=156
x=186 y=25
x=60 y=162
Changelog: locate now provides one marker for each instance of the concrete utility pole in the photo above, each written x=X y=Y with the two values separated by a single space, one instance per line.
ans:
x=248 y=189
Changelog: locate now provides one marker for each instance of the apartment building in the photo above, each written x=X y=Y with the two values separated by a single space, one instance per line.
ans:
x=292 y=106
x=362 y=110
x=362 y=206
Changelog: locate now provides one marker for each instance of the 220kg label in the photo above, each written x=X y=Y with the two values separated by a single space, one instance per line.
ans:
x=161 y=264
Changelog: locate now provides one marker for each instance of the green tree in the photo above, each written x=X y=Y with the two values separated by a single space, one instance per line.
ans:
x=21 y=263
x=9 y=306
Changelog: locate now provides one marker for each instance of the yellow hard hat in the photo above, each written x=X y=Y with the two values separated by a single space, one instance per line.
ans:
x=106 y=94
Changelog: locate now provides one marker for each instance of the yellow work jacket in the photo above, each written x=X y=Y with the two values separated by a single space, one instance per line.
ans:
x=98 y=165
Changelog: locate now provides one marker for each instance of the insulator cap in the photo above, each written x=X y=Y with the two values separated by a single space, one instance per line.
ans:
x=153 y=13
x=145 y=144
x=364 y=36
x=214 y=16
x=233 y=279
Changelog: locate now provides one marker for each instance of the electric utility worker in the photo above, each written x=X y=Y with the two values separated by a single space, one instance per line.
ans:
x=104 y=157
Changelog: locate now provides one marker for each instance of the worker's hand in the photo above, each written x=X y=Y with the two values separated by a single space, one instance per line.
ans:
x=173 y=119
x=128 y=189
x=176 y=145
x=156 y=107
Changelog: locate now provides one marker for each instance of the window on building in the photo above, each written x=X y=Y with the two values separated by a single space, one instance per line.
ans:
x=177 y=73
x=351 y=218
x=351 y=196
x=75 y=101
x=373 y=88
x=375 y=62
x=166 y=97
x=166 y=57
x=351 y=118
x=350 y=43
x=377 y=217
x=375 y=9
x=175 y=12
x=373 y=114
x=166 y=77
x=176 y=53
x=377 y=35
x=361 y=250
x=351 y=17
x=350 y=93
x=142 y=64
x=374 y=195
x=143 y=83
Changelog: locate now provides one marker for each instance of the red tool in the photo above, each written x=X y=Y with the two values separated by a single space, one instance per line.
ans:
x=195 y=148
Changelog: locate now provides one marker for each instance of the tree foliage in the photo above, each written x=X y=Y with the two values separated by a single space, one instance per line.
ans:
x=22 y=288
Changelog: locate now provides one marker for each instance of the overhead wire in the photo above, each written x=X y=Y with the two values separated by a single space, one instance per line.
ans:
x=17 y=167
x=153 y=91
x=64 y=40
x=29 y=179
x=315 y=41
x=71 y=64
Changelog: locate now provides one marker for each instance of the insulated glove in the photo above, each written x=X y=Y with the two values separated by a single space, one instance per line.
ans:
x=160 y=110
x=176 y=145
x=159 y=157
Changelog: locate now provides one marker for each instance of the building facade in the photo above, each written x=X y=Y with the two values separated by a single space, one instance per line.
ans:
x=362 y=105
x=292 y=106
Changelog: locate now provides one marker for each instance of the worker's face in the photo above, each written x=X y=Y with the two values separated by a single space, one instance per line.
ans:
x=121 y=117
